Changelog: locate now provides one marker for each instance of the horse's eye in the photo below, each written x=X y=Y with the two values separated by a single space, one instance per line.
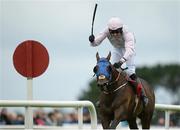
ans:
x=109 y=68
x=95 y=69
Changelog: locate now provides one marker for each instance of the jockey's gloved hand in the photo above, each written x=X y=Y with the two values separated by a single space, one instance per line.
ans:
x=118 y=64
x=91 y=38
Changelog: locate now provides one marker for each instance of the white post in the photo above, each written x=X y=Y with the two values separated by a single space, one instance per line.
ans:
x=28 y=110
x=80 y=117
x=167 y=109
x=167 y=119
x=93 y=114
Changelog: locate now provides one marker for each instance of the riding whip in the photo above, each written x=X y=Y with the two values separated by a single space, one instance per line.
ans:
x=93 y=18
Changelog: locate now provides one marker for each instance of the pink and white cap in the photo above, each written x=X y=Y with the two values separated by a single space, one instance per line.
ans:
x=115 y=23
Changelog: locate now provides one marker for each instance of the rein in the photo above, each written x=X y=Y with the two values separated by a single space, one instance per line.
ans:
x=117 y=78
x=115 y=89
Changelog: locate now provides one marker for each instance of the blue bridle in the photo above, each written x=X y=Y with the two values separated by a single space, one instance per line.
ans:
x=103 y=68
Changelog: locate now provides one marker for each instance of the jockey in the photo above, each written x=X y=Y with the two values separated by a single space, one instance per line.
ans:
x=123 y=43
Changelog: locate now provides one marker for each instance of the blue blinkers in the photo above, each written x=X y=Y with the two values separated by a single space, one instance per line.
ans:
x=103 y=68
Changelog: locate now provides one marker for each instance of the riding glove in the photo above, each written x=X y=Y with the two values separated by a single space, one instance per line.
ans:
x=91 y=38
x=118 y=64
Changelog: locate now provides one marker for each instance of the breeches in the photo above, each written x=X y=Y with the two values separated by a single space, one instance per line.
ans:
x=117 y=54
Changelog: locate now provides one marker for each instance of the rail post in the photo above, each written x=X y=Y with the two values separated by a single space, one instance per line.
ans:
x=167 y=109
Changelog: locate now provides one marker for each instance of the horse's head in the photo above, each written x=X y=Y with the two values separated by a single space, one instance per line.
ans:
x=103 y=69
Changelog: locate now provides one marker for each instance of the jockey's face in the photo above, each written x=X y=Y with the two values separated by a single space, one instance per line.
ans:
x=115 y=33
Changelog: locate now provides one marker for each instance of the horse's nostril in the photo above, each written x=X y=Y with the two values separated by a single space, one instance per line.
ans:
x=101 y=77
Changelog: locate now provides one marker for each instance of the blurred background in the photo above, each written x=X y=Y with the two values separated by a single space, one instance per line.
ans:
x=63 y=27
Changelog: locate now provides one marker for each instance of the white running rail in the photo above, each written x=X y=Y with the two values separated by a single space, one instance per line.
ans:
x=79 y=105
x=167 y=109
x=76 y=104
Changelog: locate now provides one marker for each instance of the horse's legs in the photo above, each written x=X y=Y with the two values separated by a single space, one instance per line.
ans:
x=114 y=124
x=119 y=114
x=132 y=123
x=105 y=122
x=146 y=121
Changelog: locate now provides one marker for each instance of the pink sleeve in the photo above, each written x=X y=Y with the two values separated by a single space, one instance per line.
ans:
x=129 y=45
x=100 y=37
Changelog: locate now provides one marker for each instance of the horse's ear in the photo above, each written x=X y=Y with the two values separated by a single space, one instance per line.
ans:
x=97 y=56
x=109 y=56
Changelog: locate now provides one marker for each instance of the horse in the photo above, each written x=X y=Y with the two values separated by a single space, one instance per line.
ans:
x=117 y=100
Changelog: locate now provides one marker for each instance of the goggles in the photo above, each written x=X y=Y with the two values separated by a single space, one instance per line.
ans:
x=119 y=30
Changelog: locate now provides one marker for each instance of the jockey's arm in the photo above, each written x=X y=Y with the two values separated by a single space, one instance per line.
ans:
x=129 y=45
x=100 y=37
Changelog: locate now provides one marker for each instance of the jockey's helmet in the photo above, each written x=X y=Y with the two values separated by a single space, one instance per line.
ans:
x=114 y=23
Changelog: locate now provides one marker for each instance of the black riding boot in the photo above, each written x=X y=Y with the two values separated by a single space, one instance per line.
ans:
x=137 y=83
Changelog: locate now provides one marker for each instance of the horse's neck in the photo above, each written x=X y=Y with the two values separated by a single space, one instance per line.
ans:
x=125 y=90
x=121 y=78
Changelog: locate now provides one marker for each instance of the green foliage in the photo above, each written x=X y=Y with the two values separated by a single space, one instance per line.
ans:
x=91 y=93
x=165 y=75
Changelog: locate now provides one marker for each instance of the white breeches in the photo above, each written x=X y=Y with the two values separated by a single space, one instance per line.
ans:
x=117 y=54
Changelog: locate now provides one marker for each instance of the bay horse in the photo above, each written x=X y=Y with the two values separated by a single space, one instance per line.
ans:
x=118 y=101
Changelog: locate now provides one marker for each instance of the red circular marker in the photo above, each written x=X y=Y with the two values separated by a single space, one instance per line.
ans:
x=31 y=58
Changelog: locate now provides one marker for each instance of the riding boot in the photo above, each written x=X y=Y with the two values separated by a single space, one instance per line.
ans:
x=139 y=89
